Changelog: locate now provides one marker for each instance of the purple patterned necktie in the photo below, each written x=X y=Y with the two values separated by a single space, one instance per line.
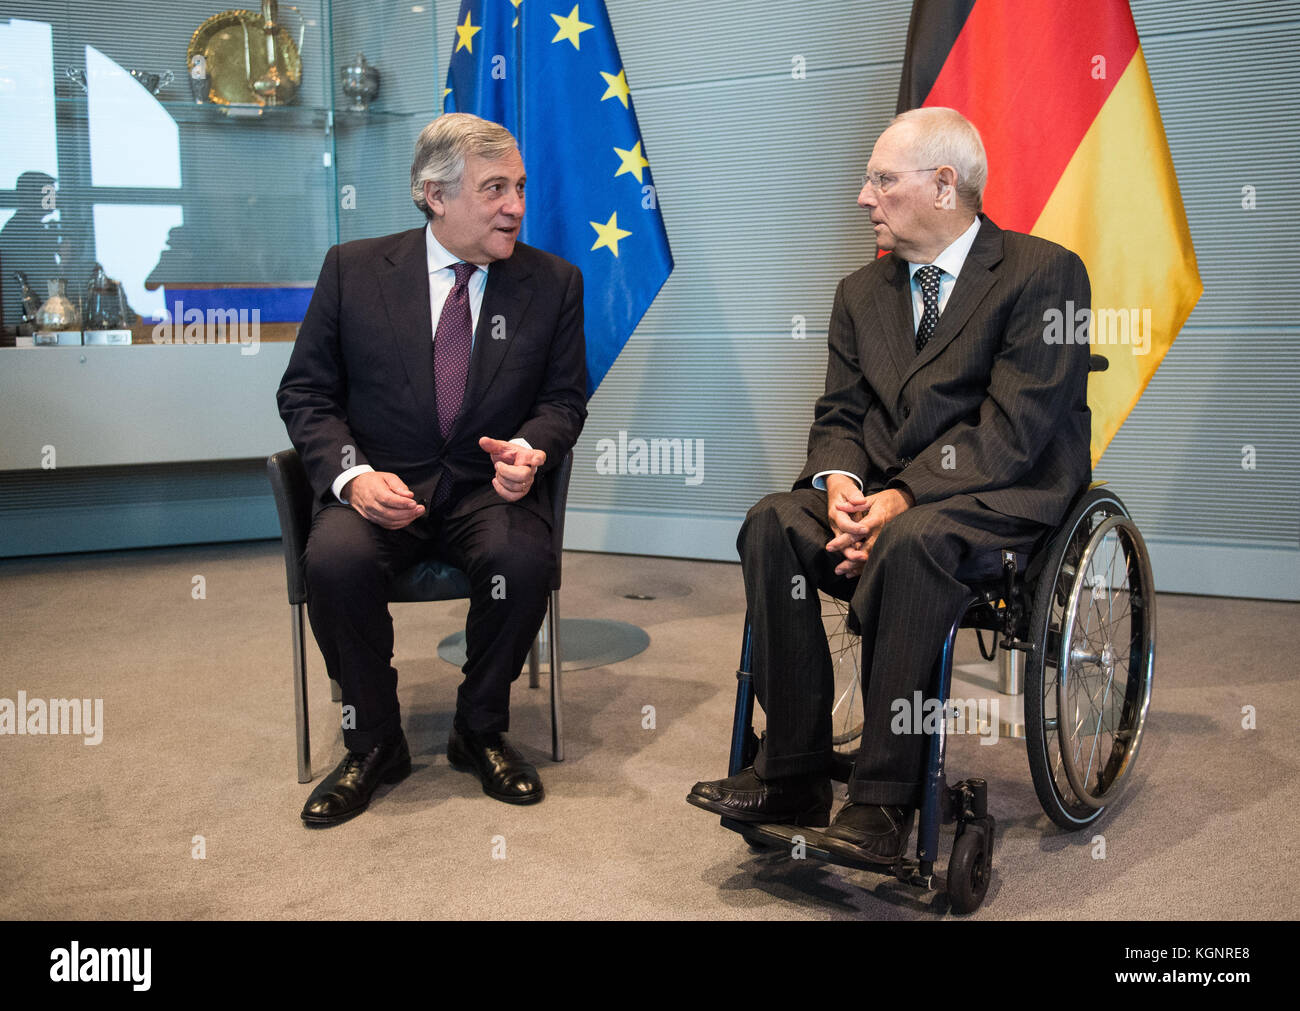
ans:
x=452 y=342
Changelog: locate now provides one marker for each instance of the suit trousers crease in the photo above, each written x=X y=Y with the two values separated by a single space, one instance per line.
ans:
x=505 y=550
x=905 y=602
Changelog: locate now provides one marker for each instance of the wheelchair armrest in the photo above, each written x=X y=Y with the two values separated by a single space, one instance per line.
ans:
x=293 y=500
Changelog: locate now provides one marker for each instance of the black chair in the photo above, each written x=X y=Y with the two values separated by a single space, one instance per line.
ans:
x=425 y=581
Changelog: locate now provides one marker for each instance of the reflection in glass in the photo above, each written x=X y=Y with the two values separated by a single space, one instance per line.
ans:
x=129 y=240
x=26 y=101
x=30 y=236
x=133 y=139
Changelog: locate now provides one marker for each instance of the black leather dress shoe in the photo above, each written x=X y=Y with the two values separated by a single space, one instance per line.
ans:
x=870 y=832
x=802 y=800
x=346 y=791
x=505 y=774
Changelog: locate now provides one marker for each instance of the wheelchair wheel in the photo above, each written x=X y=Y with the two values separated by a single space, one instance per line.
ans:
x=968 y=881
x=846 y=662
x=1088 y=679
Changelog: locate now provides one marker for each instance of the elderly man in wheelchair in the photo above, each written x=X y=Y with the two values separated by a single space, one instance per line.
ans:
x=948 y=454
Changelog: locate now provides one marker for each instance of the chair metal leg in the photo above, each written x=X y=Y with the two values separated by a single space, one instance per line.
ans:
x=1011 y=670
x=557 y=720
x=534 y=662
x=300 y=691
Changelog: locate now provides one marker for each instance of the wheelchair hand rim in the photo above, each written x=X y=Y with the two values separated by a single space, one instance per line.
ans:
x=1136 y=555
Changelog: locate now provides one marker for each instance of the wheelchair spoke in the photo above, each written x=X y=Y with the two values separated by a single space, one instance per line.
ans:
x=1100 y=725
x=1090 y=670
x=1103 y=624
x=845 y=654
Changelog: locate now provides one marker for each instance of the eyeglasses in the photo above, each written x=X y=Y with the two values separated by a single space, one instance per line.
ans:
x=881 y=182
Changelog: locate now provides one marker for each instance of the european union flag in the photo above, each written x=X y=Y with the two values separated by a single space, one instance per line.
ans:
x=550 y=73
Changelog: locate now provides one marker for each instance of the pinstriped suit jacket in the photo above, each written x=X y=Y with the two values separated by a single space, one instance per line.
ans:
x=988 y=408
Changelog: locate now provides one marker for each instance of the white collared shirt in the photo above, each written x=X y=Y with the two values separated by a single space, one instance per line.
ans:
x=950 y=261
x=442 y=278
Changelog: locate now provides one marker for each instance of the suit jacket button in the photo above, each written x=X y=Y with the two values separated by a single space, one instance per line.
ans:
x=905 y=461
x=907 y=412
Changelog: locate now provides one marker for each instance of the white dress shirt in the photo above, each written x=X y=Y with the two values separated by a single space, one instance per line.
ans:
x=950 y=261
x=441 y=280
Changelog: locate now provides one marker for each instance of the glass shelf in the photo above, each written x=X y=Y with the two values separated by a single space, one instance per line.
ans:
x=280 y=115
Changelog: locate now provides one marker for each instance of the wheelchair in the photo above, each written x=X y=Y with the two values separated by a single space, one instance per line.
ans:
x=1081 y=611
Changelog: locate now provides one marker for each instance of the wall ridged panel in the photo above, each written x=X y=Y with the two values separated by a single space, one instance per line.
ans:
x=1234 y=122
x=757 y=172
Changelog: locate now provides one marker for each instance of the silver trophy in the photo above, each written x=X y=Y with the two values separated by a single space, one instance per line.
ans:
x=360 y=83
x=153 y=83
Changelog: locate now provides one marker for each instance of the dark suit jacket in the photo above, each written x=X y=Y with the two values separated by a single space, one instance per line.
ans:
x=361 y=372
x=1012 y=407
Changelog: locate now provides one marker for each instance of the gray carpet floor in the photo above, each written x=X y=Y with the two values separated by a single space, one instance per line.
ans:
x=188 y=807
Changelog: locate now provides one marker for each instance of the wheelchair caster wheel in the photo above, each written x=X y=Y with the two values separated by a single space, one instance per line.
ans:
x=968 y=872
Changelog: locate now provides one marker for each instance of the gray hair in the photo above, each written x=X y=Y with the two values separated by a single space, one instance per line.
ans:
x=945 y=137
x=442 y=147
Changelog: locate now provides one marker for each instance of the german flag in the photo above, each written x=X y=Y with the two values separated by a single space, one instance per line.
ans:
x=1077 y=154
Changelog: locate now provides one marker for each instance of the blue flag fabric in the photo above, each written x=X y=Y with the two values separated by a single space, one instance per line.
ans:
x=550 y=73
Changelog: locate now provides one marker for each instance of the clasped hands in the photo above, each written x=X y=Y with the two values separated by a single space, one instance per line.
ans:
x=857 y=520
x=385 y=500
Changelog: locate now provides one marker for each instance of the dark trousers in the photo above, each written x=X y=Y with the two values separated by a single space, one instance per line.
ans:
x=505 y=550
x=905 y=602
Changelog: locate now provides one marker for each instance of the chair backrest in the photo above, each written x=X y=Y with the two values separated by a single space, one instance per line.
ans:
x=293 y=501
x=559 y=492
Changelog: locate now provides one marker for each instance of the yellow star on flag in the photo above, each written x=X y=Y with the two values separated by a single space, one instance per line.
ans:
x=633 y=161
x=515 y=23
x=609 y=234
x=465 y=35
x=445 y=93
x=617 y=87
x=571 y=28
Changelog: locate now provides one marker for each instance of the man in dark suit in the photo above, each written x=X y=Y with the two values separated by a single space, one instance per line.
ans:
x=436 y=373
x=949 y=428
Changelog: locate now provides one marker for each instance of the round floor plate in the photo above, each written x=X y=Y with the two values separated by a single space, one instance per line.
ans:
x=584 y=643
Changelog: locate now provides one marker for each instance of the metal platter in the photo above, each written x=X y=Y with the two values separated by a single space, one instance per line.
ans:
x=234 y=45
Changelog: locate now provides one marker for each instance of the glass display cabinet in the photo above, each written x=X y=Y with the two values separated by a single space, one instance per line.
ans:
x=180 y=170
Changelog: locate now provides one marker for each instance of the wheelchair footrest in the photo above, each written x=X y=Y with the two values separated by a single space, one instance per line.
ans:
x=801 y=843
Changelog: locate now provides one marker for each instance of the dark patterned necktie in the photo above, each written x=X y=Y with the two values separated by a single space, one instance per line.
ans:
x=928 y=278
x=452 y=343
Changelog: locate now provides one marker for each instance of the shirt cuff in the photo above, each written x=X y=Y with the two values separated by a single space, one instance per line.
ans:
x=819 y=479
x=342 y=480
x=521 y=441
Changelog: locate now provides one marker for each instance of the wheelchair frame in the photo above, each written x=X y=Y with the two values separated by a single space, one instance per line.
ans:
x=1048 y=613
